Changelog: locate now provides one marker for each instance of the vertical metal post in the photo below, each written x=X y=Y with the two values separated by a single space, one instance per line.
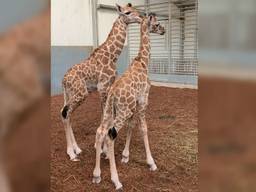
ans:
x=147 y=6
x=182 y=38
x=170 y=68
x=196 y=40
x=95 y=34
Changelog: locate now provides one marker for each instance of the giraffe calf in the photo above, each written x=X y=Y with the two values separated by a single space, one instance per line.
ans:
x=97 y=72
x=128 y=96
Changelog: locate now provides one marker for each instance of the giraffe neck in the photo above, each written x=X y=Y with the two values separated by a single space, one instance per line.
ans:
x=116 y=38
x=144 y=52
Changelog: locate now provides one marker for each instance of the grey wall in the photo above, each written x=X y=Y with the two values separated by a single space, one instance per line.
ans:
x=63 y=57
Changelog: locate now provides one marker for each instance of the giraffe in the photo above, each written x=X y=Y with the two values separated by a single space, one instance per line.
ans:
x=97 y=72
x=128 y=96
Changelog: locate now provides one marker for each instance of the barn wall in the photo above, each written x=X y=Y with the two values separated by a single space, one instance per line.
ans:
x=63 y=57
x=71 y=23
x=72 y=35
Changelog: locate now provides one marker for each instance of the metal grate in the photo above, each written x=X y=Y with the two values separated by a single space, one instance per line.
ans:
x=176 y=52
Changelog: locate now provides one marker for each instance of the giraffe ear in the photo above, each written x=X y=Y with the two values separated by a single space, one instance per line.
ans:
x=151 y=16
x=119 y=9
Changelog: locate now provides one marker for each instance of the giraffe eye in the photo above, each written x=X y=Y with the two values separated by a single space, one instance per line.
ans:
x=157 y=25
x=128 y=13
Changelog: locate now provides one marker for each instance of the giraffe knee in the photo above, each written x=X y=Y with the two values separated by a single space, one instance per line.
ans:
x=100 y=135
x=64 y=111
x=112 y=133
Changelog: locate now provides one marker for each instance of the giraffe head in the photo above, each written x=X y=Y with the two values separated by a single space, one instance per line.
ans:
x=129 y=13
x=154 y=24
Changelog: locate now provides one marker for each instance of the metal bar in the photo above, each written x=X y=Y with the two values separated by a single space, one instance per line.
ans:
x=95 y=23
x=176 y=51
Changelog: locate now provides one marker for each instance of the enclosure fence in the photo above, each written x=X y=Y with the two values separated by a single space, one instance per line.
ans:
x=174 y=56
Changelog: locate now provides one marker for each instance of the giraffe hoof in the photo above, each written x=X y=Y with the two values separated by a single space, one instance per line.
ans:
x=78 y=151
x=75 y=159
x=125 y=159
x=96 y=180
x=119 y=186
x=120 y=189
x=153 y=167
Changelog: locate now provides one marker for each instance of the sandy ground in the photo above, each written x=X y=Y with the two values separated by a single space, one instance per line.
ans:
x=172 y=124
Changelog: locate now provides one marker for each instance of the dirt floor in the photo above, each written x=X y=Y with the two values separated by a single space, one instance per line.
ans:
x=226 y=144
x=172 y=123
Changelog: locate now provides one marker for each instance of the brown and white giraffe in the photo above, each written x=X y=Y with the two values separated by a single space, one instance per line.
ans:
x=98 y=72
x=127 y=97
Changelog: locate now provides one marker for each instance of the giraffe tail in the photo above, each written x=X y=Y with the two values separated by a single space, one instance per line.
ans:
x=110 y=108
x=109 y=115
x=64 y=111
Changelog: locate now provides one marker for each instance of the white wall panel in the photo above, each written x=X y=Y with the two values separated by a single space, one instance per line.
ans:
x=71 y=23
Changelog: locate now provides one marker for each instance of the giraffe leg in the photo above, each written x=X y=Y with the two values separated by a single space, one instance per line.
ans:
x=113 y=171
x=68 y=132
x=76 y=148
x=69 y=106
x=100 y=135
x=112 y=134
x=105 y=149
x=144 y=129
x=125 y=153
x=103 y=98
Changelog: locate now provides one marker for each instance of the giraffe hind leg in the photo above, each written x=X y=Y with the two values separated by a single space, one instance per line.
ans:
x=126 y=152
x=73 y=149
